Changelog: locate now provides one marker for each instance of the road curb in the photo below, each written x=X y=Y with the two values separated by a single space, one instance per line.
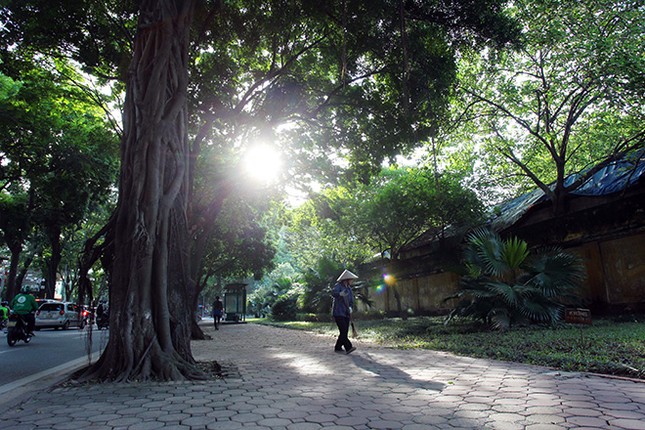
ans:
x=21 y=390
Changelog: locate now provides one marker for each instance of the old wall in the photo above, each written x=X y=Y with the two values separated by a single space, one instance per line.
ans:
x=615 y=281
x=419 y=296
x=615 y=273
x=623 y=264
x=592 y=290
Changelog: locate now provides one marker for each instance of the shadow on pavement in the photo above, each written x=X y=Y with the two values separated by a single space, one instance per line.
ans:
x=393 y=374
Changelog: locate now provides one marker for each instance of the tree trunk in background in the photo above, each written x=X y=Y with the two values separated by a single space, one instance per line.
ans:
x=150 y=313
x=52 y=263
x=201 y=232
x=11 y=286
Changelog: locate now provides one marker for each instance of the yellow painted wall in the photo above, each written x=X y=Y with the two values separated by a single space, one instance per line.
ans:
x=615 y=277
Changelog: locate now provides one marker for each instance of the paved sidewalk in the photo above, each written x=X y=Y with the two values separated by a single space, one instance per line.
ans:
x=291 y=380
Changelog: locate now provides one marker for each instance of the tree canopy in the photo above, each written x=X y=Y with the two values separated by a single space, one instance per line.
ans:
x=59 y=158
x=402 y=204
x=570 y=101
x=339 y=87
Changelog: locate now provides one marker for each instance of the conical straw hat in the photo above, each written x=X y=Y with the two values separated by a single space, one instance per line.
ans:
x=346 y=275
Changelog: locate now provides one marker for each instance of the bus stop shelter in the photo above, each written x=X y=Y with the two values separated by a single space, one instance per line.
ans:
x=235 y=302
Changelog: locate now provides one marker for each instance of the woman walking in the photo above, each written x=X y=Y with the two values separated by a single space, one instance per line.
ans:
x=342 y=310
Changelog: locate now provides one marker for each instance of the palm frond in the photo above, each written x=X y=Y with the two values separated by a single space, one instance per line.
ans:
x=485 y=250
x=541 y=310
x=500 y=319
x=480 y=235
x=508 y=285
x=514 y=253
x=473 y=270
x=555 y=272
x=507 y=292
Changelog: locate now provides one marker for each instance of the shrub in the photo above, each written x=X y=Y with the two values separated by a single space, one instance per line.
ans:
x=285 y=308
x=505 y=284
x=313 y=317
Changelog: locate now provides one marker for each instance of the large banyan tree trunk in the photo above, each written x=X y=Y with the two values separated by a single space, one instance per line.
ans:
x=150 y=312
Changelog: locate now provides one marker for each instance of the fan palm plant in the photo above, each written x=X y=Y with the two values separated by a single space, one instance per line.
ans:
x=506 y=284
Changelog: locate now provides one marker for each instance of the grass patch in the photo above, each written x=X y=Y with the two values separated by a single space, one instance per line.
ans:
x=607 y=347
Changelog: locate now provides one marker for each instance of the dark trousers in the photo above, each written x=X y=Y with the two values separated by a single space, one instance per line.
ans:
x=217 y=317
x=30 y=319
x=343 y=339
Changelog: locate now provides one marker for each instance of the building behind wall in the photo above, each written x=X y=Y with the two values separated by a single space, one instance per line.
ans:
x=422 y=278
x=604 y=224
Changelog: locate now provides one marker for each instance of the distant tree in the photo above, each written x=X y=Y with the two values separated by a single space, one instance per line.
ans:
x=59 y=154
x=237 y=248
x=402 y=204
x=570 y=101
x=74 y=238
x=78 y=175
x=15 y=227
x=16 y=201
x=349 y=225
x=320 y=230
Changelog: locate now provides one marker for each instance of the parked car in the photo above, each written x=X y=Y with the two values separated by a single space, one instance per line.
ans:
x=59 y=315
x=41 y=301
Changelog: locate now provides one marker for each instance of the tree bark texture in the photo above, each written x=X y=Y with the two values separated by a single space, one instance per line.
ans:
x=53 y=261
x=149 y=311
x=11 y=287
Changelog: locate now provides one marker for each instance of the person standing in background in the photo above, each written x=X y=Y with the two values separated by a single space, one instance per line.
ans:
x=218 y=311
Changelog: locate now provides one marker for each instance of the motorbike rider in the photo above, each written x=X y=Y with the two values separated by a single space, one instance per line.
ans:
x=24 y=304
x=100 y=309
x=102 y=314
x=4 y=313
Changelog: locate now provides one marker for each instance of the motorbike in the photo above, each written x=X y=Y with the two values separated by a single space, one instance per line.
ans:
x=17 y=329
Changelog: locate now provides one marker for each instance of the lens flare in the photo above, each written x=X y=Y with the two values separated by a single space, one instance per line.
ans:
x=389 y=279
x=380 y=289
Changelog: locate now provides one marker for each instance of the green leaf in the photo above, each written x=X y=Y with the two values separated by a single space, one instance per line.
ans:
x=514 y=253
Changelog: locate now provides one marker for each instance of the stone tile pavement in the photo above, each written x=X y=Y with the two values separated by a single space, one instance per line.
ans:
x=291 y=380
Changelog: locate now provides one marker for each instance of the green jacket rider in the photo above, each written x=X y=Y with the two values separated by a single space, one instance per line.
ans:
x=24 y=304
x=4 y=311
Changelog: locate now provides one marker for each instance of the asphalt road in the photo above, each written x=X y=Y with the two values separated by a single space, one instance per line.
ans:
x=49 y=349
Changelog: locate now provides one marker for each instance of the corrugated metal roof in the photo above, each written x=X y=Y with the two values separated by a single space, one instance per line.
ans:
x=615 y=177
